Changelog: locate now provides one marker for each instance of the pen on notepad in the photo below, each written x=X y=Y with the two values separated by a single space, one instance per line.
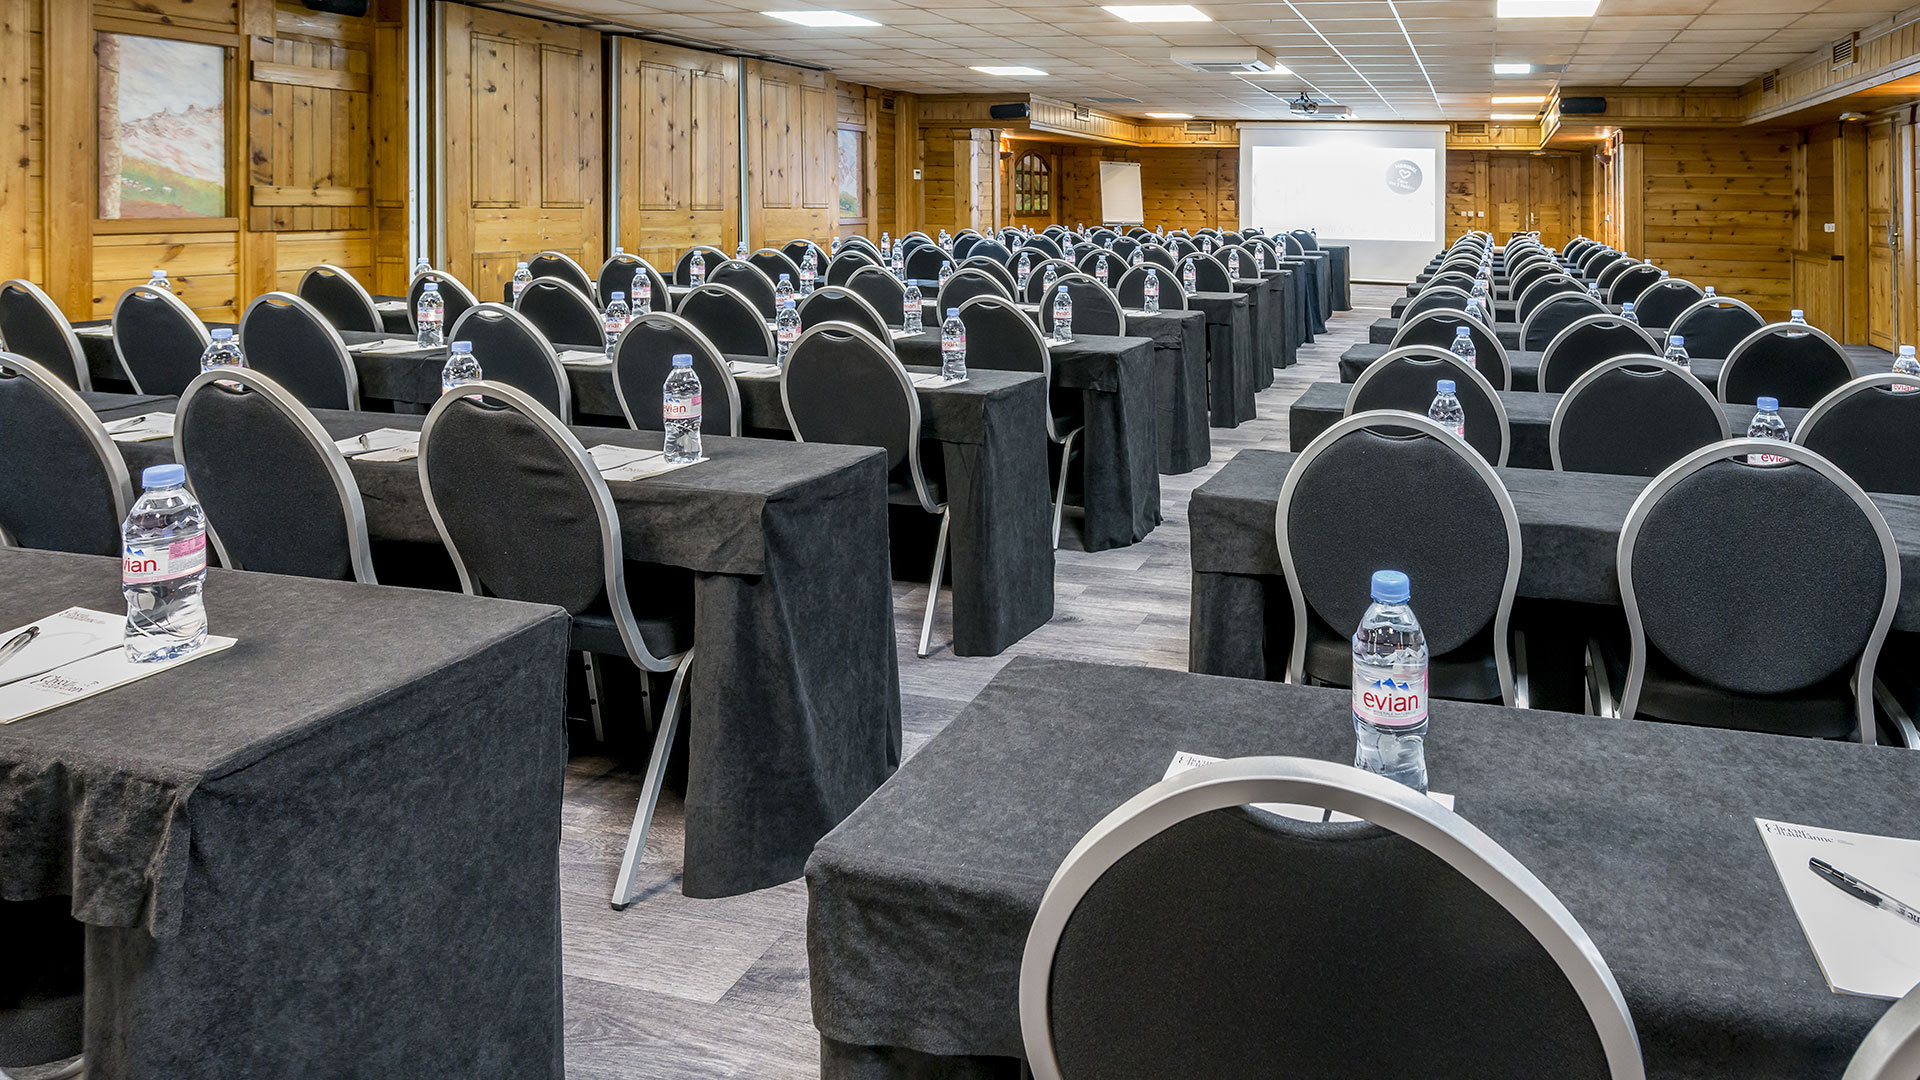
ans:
x=17 y=642
x=1860 y=890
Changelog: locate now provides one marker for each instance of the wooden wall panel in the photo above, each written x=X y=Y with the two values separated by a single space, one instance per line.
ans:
x=1180 y=187
x=1717 y=207
x=679 y=146
x=792 y=167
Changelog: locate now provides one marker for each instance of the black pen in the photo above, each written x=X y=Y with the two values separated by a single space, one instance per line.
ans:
x=1860 y=890
x=17 y=642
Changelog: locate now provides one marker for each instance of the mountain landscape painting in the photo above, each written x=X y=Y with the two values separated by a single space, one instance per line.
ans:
x=163 y=128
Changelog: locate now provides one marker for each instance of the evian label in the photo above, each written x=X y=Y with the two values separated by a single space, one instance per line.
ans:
x=145 y=564
x=1389 y=700
x=1765 y=459
x=685 y=408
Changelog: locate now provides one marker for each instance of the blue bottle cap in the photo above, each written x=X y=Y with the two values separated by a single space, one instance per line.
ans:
x=783 y=277
x=431 y=286
x=461 y=347
x=163 y=476
x=1678 y=339
x=952 y=311
x=1390 y=587
x=1444 y=386
x=223 y=335
x=1462 y=332
x=1767 y=404
x=682 y=359
x=619 y=296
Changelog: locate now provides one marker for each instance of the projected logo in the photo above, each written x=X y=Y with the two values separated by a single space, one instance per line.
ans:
x=1404 y=177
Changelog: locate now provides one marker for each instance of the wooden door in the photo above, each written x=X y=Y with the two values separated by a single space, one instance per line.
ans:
x=523 y=144
x=679 y=150
x=1507 y=209
x=1550 y=199
x=1883 y=238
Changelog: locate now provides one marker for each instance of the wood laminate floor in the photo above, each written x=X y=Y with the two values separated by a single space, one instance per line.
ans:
x=678 y=988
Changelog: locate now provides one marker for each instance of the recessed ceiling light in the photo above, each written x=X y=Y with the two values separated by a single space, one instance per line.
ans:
x=1009 y=71
x=1514 y=116
x=1521 y=99
x=1513 y=69
x=1144 y=13
x=1546 y=9
x=821 y=18
x=1171 y=115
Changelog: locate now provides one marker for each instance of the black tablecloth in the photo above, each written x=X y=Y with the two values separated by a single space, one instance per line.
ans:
x=1340 y=261
x=920 y=902
x=1525 y=365
x=1293 y=313
x=1317 y=267
x=795 y=687
x=1231 y=380
x=334 y=843
x=1117 y=381
x=1569 y=532
x=1381 y=331
x=1263 y=324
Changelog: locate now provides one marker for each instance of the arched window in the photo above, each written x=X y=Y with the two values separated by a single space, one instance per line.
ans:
x=1032 y=185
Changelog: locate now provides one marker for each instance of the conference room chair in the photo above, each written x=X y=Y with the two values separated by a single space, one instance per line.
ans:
x=964 y=244
x=1306 y=239
x=32 y=325
x=1158 y=255
x=1182 y=247
x=1132 y=289
x=860 y=244
x=65 y=487
x=158 y=339
x=965 y=284
x=283 y=336
x=990 y=266
x=1797 y=364
x=1103 y=236
x=42 y=988
x=1436 y=298
x=1090 y=264
x=1124 y=246
x=279 y=496
x=1241 y=263
x=1096 y=310
x=1544 y=288
x=837 y=303
x=1405 y=380
x=560 y=265
x=1714 y=326
x=1586 y=342
x=730 y=321
x=843 y=385
x=1209 y=274
x=993 y=251
x=1633 y=416
x=643 y=359
x=617 y=275
x=1663 y=301
x=1037 y=278
x=1870 y=430
x=1784 y=644
x=1629 y=284
x=1518 y=282
x=1576 y=246
x=1001 y=337
x=844 y=265
x=710 y=257
x=1463 y=555
x=1554 y=314
x=1042 y=245
x=492 y=446
x=344 y=301
x=456 y=297
x=512 y=350
x=1440 y=328
x=1891 y=1050
x=1607 y=259
x=749 y=282
x=1080 y=251
x=773 y=262
x=1187 y=935
x=1616 y=271
x=562 y=314
x=1292 y=244
x=886 y=293
x=796 y=252
x=924 y=262
x=1451 y=279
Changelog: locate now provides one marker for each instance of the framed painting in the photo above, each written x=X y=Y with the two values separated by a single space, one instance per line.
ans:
x=163 y=128
x=853 y=173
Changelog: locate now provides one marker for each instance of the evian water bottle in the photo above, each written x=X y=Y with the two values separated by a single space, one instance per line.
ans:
x=162 y=568
x=680 y=411
x=1907 y=364
x=1446 y=409
x=1390 y=686
x=1767 y=425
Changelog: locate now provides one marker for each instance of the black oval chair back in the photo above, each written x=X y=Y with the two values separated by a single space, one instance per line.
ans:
x=31 y=325
x=1124 y=246
x=1633 y=416
x=750 y=283
x=1161 y=257
x=989 y=249
x=882 y=290
x=1612 y=273
x=511 y=349
x=1797 y=364
x=1627 y=285
x=1209 y=274
x=1406 y=380
x=292 y=344
x=774 y=263
x=65 y=487
x=966 y=284
x=562 y=313
x=923 y=263
x=1090 y=264
x=1306 y=239
x=1542 y=289
x=1439 y=328
x=1663 y=301
x=1095 y=309
x=644 y=358
x=837 y=303
x=1042 y=245
x=729 y=320
x=844 y=265
x=1037 y=277
x=1001 y=337
x=1436 y=298
x=335 y=294
x=1713 y=327
x=455 y=298
x=1132 y=289
x=1586 y=343
x=796 y=250
x=1453 y=279
x=556 y=264
x=1870 y=428
x=992 y=268
x=964 y=244
x=1553 y=315
x=158 y=339
x=617 y=276
x=841 y=385
x=710 y=257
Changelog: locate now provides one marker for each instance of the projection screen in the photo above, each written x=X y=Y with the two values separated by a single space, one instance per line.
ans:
x=1379 y=188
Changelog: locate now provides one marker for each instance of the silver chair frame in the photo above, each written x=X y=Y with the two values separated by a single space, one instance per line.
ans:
x=1063 y=440
x=493 y=311
x=1433 y=291
x=1342 y=788
x=598 y=316
x=1715 y=302
x=1593 y=374
x=1860 y=384
x=842 y=292
x=654 y=278
x=1608 y=320
x=1612 y=288
x=1780 y=329
x=1554 y=283
x=1699 y=294
x=971 y=272
x=1119 y=311
x=572 y=264
x=82 y=378
x=1891 y=1050
x=730 y=388
x=711 y=288
x=359 y=550
x=1471 y=374
x=359 y=291
x=448 y=284
x=83 y=417
x=180 y=308
x=1526 y=325
x=1499 y=350
x=1297 y=654
x=284 y=299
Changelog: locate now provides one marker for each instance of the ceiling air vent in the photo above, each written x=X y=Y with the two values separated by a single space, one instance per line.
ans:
x=1114 y=100
x=1843 y=50
x=1199 y=127
x=1768 y=82
x=1081 y=112
x=886 y=104
x=1225 y=61
x=1470 y=127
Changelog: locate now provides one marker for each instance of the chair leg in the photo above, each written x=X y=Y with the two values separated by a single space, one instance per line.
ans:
x=1903 y=726
x=1060 y=490
x=933 y=582
x=650 y=789
x=1522 y=685
x=596 y=693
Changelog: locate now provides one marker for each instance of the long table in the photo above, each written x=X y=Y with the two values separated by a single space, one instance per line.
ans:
x=920 y=902
x=333 y=843
x=1232 y=380
x=795 y=685
x=1569 y=531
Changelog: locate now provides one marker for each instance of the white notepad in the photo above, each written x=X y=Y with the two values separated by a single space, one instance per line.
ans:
x=147 y=427
x=902 y=335
x=618 y=463
x=94 y=331
x=380 y=439
x=934 y=382
x=79 y=653
x=390 y=345
x=742 y=369
x=585 y=358
x=1183 y=761
x=1861 y=949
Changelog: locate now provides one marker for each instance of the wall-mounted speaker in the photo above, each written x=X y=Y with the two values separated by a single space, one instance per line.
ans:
x=1015 y=111
x=1582 y=106
x=339 y=7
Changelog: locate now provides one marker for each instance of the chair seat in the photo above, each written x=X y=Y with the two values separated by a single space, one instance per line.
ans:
x=662 y=602
x=1822 y=711
x=42 y=982
x=1468 y=673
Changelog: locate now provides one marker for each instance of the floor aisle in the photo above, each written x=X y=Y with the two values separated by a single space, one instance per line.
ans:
x=678 y=988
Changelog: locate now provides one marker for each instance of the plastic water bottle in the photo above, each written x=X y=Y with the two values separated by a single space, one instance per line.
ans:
x=900 y=262
x=809 y=269
x=1593 y=290
x=642 y=290
x=1626 y=312
x=1046 y=282
x=1446 y=409
x=782 y=291
x=1233 y=262
x=461 y=367
x=1152 y=291
x=953 y=347
x=430 y=317
x=1100 y=267
x=697 y=269
x=1677 y=352
x=1189 y=275
x=159 y=281
x=222 y=351
x=1022 y=270
x=522 y=277
x=1062 y=315
x=1390 y=686
x=1463 y=346
x=618 y=251
x=1797 y=317
x=1906 y=365
x=1479 y=291
x=1665 y=274
x=1136 y=258
x=1474 y=310
x=618 y=315
x=1767 y=425
x=740 y=251
x=946 y=271
x=163 y=567
x=912 y=304
x=1710 y=293
x=421 y=266
x=680 y=412
x=786 y=330
x=886 y=246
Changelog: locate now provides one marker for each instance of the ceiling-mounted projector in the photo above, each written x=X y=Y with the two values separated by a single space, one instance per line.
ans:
x=1234 y=61
x=1304 y=105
